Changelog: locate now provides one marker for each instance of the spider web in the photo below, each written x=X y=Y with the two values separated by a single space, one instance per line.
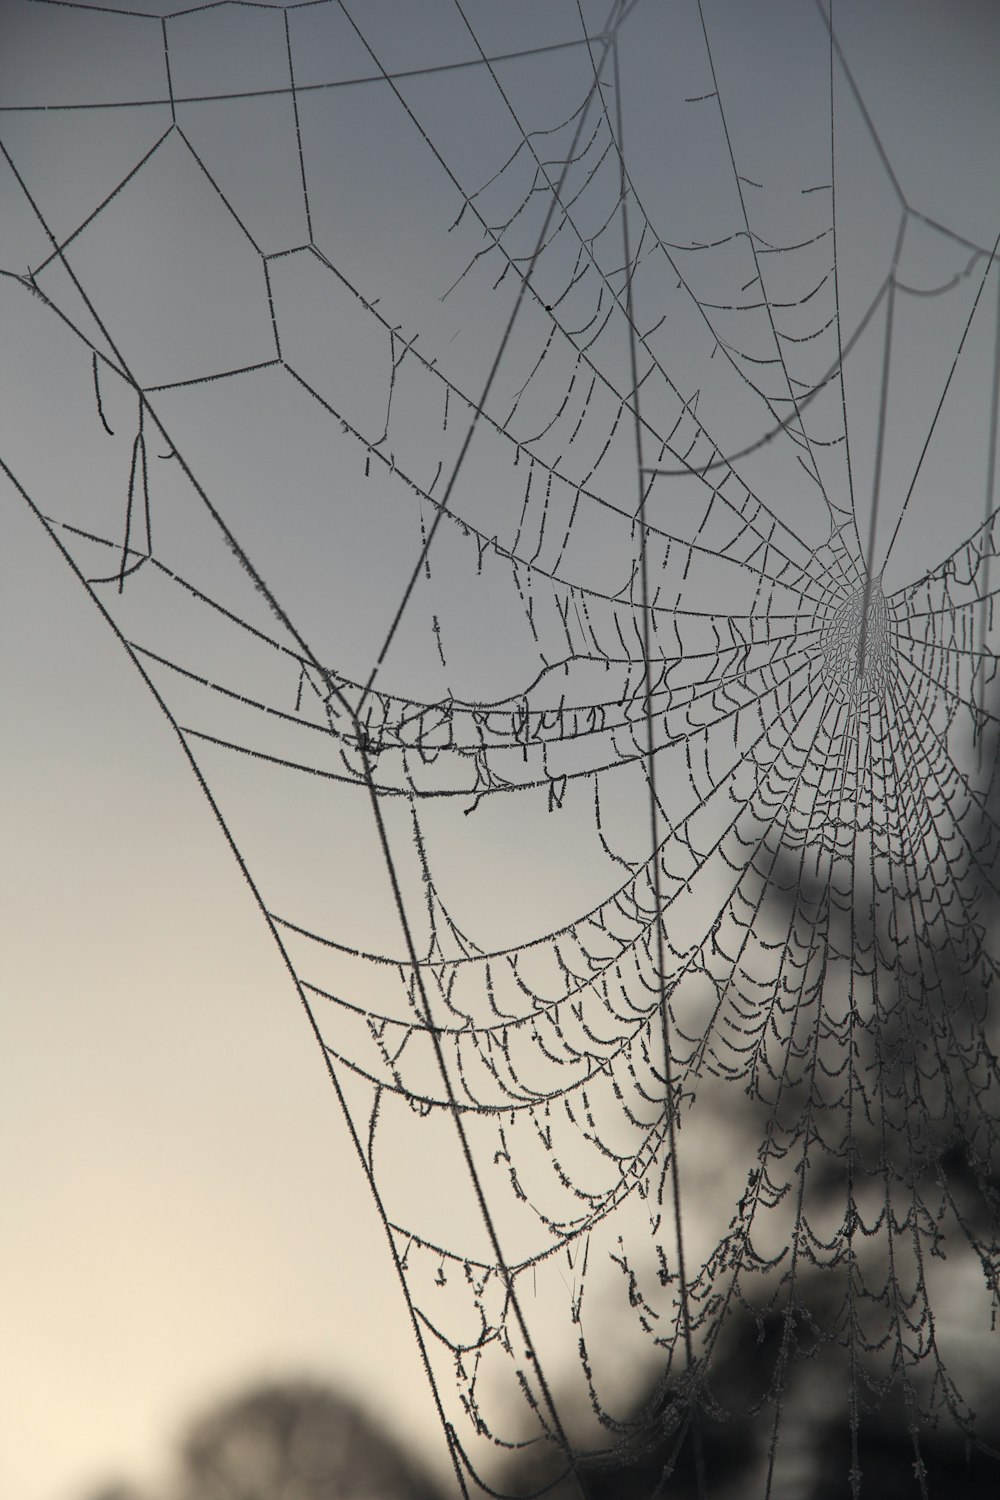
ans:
x=533 y=531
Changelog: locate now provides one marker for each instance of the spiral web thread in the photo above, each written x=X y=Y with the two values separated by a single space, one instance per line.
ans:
x=603 y=837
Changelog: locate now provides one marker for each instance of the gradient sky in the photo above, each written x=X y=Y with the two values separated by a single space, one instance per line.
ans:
x=183 y=1211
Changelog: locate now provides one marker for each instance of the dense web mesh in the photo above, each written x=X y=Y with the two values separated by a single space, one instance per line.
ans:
x=554 y=503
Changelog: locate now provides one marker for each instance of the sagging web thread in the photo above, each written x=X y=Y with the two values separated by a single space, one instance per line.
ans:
x=808 y=928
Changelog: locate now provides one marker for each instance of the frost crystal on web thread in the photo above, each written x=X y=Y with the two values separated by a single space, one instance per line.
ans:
x=554 y=504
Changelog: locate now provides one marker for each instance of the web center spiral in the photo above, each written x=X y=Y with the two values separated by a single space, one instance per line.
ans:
x=857 y=645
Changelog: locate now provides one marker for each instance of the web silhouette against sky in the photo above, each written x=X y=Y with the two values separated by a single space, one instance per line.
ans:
x=553 y=503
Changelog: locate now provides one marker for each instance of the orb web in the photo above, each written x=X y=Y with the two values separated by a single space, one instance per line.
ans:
x=531 y=523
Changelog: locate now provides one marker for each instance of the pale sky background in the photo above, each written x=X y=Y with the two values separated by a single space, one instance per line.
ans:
x=182 y=1212
x=181 y=1209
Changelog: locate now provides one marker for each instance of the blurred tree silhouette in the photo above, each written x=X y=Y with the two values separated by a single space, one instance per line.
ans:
x=291 y=1441
x=930 y=1042
x=297 y=1442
